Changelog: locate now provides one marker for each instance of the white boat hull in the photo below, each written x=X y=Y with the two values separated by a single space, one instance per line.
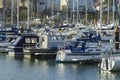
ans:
x=67 y=56
x=111 y=64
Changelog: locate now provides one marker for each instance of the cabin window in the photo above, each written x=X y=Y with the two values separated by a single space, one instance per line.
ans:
x=34 y=40
x=83 y=36
x=17 y=40
x=54 y=38
x=68 y=43
x=98 y=50
x=59 y=37
x=27 y=40
x=62 y=37
x=90 y=50
x=43 y=39
x=49 y=38
x=79 y=45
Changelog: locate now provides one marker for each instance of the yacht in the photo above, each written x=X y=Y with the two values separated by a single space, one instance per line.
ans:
x=24 y=40
x=80 y=51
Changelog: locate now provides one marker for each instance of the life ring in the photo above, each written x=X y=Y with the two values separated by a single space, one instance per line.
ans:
x=38 y=45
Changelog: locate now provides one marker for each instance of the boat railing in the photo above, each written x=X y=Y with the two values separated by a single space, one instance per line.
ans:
x=28 y=46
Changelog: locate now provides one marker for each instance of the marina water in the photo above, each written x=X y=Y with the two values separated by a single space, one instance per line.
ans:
x=12 y=68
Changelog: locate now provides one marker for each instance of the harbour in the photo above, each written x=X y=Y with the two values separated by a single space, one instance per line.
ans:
x=46 y=69
x=59 y=40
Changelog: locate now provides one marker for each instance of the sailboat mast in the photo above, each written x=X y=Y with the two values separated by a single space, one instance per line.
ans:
x=67 y=11
x=73 y=12
x=28 y=15
x=12 y=7
x=52 y=13
x=117 y=13
x=18 y=13
x=86 y=12
x=113 y=11
x=108 y=13
x=77 y=11
x=37 y=14
x=100 y=14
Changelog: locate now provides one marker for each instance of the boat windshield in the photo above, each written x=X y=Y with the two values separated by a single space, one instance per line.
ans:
x=16 y=41
x=74 y=44
x=57 y=37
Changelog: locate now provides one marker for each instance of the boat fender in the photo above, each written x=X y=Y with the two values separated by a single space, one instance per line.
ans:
x=38 y=45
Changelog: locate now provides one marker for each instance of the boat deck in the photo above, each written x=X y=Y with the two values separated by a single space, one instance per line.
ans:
x=39 y=51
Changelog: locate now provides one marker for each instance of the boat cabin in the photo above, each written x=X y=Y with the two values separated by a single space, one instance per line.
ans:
x=90 y=36
x=53 y=41
x=23 y=41
x=74 y=46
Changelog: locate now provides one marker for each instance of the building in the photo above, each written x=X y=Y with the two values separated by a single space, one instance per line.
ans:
x=47 y=6
x=1 y=8
x=40 y=5
x=63 y=4
x=82 y=4
x=59 y=5
x=54 y=4
x=1 y=3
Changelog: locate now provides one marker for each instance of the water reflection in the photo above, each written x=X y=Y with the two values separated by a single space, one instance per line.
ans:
x=107 y=75
x=75 y=72
x=18 y=68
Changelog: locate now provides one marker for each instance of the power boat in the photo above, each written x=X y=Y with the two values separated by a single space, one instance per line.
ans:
x=24 y=40
x=5 y=40
x=80 y=51
x=48 y=43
